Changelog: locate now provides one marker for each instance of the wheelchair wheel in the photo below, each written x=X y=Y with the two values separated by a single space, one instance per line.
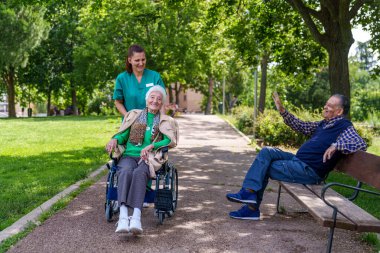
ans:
x=174 y=187
x=109 y=210
x=110 y=205
x=161 y=217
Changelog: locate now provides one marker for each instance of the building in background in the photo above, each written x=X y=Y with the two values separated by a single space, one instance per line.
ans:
x=190 y=101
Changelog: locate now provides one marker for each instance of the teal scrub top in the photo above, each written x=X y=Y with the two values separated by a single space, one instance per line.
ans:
x=133 y=93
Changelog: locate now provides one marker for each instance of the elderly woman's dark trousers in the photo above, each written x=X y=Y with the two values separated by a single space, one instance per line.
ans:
x=132 y=180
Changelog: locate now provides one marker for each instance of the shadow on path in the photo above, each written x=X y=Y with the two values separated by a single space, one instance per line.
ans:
x=212 y=159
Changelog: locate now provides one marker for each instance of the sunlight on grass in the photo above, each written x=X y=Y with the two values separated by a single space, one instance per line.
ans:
x=42 y=156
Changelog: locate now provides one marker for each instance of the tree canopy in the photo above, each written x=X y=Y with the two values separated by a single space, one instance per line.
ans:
x=69 y=52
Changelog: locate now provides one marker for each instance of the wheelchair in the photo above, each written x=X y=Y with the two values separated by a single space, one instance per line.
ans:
x=164 y=194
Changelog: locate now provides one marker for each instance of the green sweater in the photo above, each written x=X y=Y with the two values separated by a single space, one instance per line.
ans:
x=133 y=150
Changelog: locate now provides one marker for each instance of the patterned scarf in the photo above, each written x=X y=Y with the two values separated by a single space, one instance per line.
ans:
x=138 y=128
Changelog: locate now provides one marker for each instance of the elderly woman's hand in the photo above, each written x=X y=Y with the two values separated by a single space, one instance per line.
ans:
x=111 y=145
x=144 y=153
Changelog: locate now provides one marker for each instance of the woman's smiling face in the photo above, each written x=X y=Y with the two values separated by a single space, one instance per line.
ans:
x=154 y=101
x=138 y=61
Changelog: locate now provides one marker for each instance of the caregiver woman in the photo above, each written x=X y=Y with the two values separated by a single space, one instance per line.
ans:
x=131 y=85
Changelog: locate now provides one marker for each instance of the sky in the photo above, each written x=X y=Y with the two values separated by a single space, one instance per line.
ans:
x=359 y=35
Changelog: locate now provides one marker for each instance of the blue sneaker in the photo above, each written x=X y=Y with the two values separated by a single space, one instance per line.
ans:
x=243 y=196
x=245 y=213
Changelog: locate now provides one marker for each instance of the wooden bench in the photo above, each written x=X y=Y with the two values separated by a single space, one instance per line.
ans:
x=333 y=210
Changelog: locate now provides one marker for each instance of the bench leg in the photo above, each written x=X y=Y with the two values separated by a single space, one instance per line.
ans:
x=278 y=198
x=331 y=234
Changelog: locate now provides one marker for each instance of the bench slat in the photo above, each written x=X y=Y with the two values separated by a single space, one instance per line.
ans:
x=364 y=222
x=352 y=164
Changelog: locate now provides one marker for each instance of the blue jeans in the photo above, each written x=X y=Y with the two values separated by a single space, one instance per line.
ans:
x=278 y=165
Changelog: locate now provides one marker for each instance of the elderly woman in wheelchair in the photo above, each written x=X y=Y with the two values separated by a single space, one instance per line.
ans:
x=138 y=141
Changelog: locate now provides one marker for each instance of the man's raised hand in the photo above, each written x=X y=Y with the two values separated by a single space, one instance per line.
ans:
x=277 y=102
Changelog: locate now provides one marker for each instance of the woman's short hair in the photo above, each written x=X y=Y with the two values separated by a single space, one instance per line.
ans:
x=131 y=50
x=344 y=103
x=156 y=88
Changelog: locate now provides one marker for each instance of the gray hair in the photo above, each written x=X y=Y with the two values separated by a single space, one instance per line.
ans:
x=344 y=103
x=156 y=88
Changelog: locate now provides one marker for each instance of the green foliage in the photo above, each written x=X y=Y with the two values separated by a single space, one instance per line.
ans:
x=184 y=41
x=244 y=119
x=365 y=132
x=365 y=102
x=271 y=128
x=22 y=29
x=101 y=106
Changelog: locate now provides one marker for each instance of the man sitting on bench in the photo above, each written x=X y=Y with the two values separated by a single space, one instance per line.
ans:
x=330 y=138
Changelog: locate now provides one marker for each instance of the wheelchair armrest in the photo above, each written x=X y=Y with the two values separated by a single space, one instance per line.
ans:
x=114 y=159
x=164 y=150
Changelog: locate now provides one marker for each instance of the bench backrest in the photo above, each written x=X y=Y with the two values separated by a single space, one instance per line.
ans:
x=363 y=166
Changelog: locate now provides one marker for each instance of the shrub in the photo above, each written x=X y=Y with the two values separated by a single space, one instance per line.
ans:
x=271 y=128
x=365 y=132
x=244 y=119
x=101 y=105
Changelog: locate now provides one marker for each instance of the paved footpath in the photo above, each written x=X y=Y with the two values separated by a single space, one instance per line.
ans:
x=212 y=159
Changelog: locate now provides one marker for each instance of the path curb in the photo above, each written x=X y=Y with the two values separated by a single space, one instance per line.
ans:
x=33 y=216
x=238 y=131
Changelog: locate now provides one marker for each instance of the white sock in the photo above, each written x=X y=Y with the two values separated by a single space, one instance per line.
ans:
x=123 y=212
x=136 y=213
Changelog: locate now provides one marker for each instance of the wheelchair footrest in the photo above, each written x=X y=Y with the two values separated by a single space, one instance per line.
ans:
x=163 y=200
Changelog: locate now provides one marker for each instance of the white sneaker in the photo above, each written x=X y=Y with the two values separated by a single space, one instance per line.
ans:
x=135 y=226
x=145 y=205
x=122 y=226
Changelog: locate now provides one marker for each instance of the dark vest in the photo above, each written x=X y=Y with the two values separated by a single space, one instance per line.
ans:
x=311 y=152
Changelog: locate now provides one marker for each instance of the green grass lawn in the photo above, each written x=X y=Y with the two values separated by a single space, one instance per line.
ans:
x=42 y=156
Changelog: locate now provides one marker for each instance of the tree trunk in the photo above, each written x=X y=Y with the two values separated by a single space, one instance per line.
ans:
x=170 y=93
x=74 y=101
x=338 y=70
x=178 y=88
x=263 y=83
x=209 y=99
x=9 y=77
x=336 y=36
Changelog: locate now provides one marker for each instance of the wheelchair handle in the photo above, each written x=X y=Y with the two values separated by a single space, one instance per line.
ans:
x=113 y=158
x=164 y=151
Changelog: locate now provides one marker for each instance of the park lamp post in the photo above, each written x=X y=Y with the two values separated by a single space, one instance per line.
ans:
x=224 y=86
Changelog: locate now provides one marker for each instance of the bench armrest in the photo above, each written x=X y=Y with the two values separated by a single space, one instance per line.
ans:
x=356 y=188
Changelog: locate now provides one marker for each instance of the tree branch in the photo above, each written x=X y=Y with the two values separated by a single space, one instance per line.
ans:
x=306 y=13
x=356 y=6
x=331 y=7
x=314 y=13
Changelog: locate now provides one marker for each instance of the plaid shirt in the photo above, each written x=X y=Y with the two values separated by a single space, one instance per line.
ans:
x=347 y=142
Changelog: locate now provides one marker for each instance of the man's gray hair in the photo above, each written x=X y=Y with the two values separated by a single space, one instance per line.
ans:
x=344 y=102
